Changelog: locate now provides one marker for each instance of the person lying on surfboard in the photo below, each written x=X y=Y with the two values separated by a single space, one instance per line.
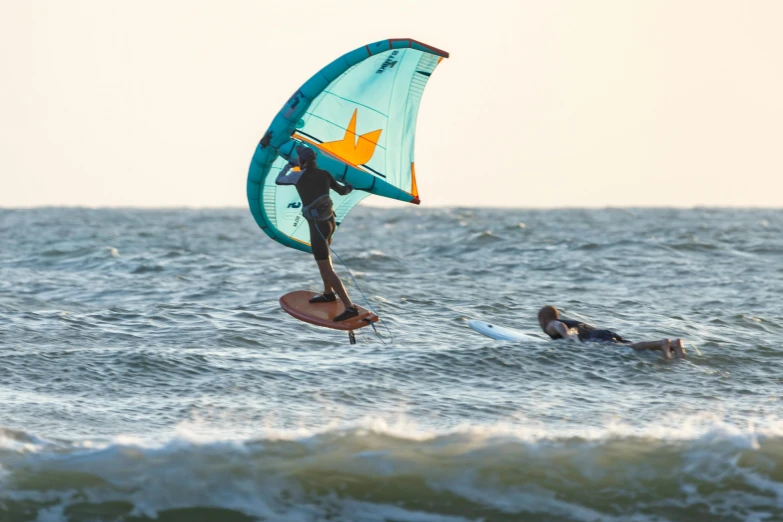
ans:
x=313 y=186
x=557 y=328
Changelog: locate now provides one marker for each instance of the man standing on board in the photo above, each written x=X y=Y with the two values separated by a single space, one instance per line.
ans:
x=313 y=186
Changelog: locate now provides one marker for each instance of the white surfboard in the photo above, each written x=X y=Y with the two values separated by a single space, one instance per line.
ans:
x=499 y=333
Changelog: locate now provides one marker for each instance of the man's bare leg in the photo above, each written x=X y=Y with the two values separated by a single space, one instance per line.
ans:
x=679 y=350
x=665 y=346
x=333 y=281
x=327 y=287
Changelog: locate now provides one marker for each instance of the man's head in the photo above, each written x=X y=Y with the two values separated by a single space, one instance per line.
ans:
x=546 y=315
x=306 y=156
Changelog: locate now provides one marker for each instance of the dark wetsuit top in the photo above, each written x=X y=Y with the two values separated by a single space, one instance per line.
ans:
x=314 y=184
x=590 y=333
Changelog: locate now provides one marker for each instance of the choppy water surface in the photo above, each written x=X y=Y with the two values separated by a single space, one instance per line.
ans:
x=146 y=369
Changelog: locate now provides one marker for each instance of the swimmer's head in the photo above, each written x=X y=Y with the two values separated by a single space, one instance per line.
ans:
x=546 y=315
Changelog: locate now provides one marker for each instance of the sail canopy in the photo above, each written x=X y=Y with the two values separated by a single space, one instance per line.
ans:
x=358 y=114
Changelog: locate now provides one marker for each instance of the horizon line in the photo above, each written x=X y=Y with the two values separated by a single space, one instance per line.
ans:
x=390 y=207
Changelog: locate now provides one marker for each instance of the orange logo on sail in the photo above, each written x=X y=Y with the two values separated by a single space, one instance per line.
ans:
x=353 y=149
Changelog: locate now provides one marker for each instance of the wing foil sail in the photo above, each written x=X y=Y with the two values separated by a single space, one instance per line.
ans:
x=359 y=115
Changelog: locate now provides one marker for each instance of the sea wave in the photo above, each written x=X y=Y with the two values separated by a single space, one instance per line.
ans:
x=374 y=472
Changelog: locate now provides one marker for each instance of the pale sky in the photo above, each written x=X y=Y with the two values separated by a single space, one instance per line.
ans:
x=576 y=103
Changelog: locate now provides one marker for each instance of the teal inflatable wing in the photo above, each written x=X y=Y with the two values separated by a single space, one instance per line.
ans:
x=359 y=115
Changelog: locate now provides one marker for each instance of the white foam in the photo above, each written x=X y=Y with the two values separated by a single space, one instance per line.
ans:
x=265 y=477
x=673 y=427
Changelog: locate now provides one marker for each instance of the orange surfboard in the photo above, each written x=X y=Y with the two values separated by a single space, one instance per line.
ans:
x=321 y=314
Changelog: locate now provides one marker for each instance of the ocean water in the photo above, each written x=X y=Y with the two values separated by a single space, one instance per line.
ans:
x=148 y=373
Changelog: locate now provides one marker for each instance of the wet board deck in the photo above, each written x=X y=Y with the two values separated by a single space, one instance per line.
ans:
x=500 y=333
x=321 y=314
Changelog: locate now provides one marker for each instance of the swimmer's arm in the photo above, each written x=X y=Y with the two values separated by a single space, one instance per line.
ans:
x=556 y=327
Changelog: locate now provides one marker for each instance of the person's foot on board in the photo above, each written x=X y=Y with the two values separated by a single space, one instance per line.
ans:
x=324 y=298
x=349 y=312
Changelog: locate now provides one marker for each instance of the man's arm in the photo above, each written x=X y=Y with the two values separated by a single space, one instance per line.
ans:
x=284 y=178
x=556 y=327
x=343 y=190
